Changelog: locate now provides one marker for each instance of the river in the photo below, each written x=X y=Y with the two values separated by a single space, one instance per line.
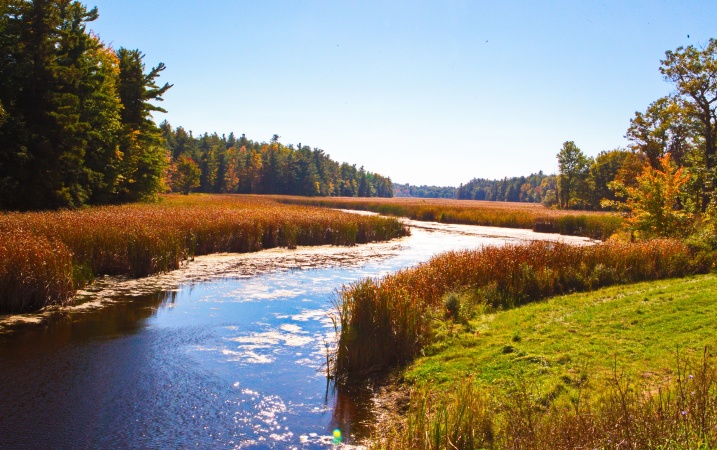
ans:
x=228 y=351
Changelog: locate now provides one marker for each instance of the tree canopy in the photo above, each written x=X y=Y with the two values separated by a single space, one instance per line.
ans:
x=423 y=191
x=694 y=74
x=532 y=188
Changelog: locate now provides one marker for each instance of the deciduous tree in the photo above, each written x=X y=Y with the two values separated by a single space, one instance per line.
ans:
x=185 y=175
x=573 y=166
x=654 y=201
x=694 y=73
x=667 y=125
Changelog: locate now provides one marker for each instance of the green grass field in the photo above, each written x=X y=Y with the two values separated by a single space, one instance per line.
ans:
x=638 y=326
x=629 y=366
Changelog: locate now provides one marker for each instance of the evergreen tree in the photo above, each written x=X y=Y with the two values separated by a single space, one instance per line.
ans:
x=143 y=156
x=101 y=110
x=44 y=80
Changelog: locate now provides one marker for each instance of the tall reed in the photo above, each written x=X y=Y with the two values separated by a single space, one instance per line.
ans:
x=385 y=322
x=142 y=239
x=34 y=270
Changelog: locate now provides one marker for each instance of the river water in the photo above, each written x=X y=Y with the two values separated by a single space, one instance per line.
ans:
x=228 y=351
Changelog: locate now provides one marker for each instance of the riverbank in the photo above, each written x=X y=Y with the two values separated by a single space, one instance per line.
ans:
x=227 y=266
x=387 y=322
x=531 y=216
x=45 y=257
x=629 y=366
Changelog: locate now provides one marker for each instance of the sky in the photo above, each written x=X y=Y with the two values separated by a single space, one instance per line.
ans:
x=425 y=92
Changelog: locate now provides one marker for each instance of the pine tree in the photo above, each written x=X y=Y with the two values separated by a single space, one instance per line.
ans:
x=143 y=156
x=43 y=84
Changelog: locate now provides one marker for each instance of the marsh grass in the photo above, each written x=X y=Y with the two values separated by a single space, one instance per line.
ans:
x=34 y=270
x=46 y=256
x=596 y=225
x=387 y=322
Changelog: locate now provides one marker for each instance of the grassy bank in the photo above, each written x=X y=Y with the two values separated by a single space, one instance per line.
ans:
x=621 y=367
x=387 y=322
x=46 y=256
x=597 y=225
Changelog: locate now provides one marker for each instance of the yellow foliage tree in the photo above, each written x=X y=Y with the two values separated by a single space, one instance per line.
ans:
x=653 y=201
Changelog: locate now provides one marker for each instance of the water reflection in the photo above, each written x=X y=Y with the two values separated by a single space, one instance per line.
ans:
x=60 y=327
x=352 y=412
x=230 y=353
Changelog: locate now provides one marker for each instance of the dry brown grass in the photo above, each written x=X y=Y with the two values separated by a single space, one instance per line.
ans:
x=33 y=270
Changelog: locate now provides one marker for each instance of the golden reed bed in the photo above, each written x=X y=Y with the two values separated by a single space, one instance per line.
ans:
x=533 y=216
x=46 y=256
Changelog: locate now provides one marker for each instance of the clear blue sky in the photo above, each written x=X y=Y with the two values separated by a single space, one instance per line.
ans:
x=426 y=92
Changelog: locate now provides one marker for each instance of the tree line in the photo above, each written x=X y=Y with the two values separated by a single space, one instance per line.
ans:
x=682 y=125
x=227 y=164
x=533 y=188
x=76 y=126
x=423 y=191
x=664 y=181
x=582 y=183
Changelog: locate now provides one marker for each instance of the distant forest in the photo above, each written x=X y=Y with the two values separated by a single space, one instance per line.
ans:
x=532 y=188
x=227 y=164
x=408 y=190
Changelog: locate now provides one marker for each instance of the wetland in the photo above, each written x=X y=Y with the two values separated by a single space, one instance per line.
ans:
x=229 y=350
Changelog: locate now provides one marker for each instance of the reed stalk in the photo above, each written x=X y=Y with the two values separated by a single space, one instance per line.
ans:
x=592 y=224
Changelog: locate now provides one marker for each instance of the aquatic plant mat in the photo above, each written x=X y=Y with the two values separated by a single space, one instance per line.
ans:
x=46 y=256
